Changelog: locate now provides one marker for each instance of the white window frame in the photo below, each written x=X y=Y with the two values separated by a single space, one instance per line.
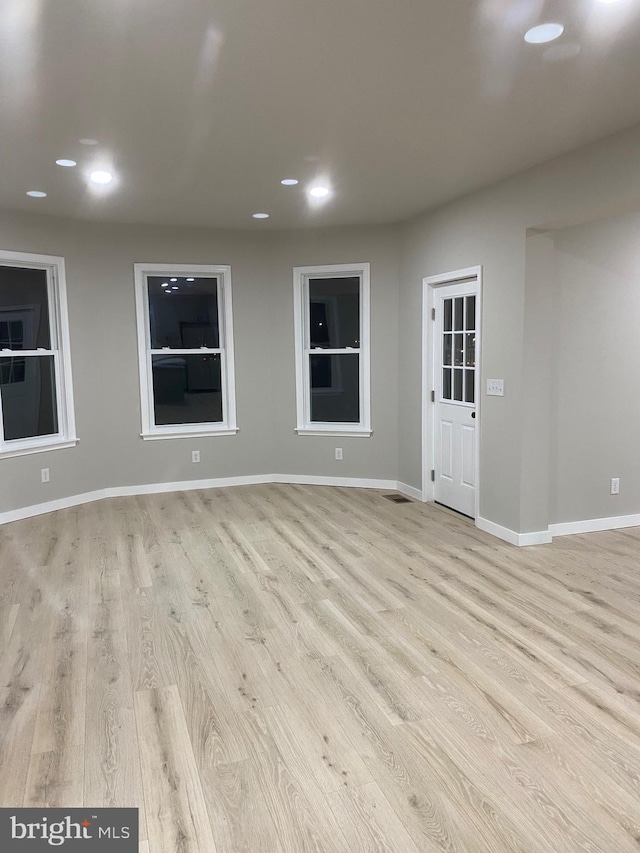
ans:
x=225 y=350
x=60 y=351
x=301 y=276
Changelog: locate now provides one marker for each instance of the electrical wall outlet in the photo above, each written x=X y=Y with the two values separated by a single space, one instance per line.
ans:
x=495 y=387
x=339 y=453
x=195 y=455
x=44 y=475
x=615 y=485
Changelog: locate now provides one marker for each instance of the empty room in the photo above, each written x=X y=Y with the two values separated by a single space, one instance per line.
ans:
x=319 y=413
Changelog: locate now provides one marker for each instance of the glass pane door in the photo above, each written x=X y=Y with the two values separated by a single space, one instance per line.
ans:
x=459 y=349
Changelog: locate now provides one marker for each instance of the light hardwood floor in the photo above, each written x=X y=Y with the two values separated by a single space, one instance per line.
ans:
x=282 y=669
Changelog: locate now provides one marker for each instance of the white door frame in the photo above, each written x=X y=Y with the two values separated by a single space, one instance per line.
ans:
x=429 y=285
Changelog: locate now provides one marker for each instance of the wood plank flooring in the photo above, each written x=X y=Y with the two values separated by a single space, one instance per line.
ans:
x=283 y=669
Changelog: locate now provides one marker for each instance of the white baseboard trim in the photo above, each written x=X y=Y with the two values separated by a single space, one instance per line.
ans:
x=127 y=491
x=409 y=491
x=538 y=537
x=190 y=485
x=349 y=482
x=51 y=506
x=593 y=525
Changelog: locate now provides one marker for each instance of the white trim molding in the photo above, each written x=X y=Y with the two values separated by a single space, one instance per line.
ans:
x=346 y=482
x=191 y=485
x=199 y=433
x=225 y=350
x=538 y=537
x=58 y=351
x=354 y=433
x=429 y=286
x=303 y=351
x=47 y=447
x=409 y=491
x=594 y=525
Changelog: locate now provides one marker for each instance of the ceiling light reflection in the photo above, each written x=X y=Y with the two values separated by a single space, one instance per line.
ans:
x=101 y=177
x=543 y=33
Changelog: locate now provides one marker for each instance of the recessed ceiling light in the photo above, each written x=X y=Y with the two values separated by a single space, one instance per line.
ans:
x=67 y=163
x=100 y=177
x=175 y=287
x=260 y=215
x=36 y=194
x=289 y=182
x=87 y=141
x=165 y=284
x=319 y=192
x=168 y=292
x=543 y=33
x=173 y=279
x=191 y=279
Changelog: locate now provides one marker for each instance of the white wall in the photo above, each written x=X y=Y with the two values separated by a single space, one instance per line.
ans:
x=375 y=457
x=597 y=389
x=538 y=262
x=99 y=262
x=490 y=228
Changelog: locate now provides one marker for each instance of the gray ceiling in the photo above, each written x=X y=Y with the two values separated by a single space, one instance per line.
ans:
x=202 y=106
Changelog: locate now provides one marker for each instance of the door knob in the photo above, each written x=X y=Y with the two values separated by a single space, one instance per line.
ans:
x=473 y=414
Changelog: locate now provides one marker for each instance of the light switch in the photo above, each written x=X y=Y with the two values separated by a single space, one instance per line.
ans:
x=495 y=387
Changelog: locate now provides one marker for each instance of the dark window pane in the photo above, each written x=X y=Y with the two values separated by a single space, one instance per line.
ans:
x=24 y=309
x=448 y=315
x=186 y=317
x=458 y=352
x=12 y=370
x=28 y=389
x=470 y=351
x=446 y=383
x=446 y=349
x=187 y=389
x=469 y=389
x=457 y=385
x=335 y=388
x=470 y=319
x=334 y=312
x=459 y=314
x=319 y=324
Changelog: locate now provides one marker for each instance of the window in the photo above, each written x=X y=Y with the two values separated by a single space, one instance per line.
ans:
x=332 y=349
x=36 y=400
x=185 y=348
x=459 y=349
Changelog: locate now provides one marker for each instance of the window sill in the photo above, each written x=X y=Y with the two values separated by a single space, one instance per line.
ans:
x=355 y=433
x=39 y=448
x=156 y=436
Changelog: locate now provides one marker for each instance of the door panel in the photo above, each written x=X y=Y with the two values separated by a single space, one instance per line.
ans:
x=455 y=350
x=446 y=449
x=468 y=456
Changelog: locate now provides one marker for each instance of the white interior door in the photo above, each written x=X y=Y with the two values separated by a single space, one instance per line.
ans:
x=456 y=386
